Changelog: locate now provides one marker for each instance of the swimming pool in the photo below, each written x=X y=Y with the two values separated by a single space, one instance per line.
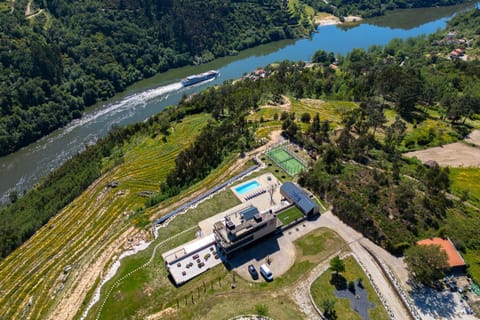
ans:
x=247 y=187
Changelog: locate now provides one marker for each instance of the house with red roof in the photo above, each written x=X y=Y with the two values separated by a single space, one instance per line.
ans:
x=455 y=260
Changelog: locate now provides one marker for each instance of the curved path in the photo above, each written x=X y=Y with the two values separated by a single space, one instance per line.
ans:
x=357 y=243
x=117 y=283
x=302 y=294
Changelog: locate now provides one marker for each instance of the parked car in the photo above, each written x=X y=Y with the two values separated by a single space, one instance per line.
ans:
x=266 y=273
x=253 y=272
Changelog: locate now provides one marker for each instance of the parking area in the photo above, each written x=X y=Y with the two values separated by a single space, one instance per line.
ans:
x=278 y=252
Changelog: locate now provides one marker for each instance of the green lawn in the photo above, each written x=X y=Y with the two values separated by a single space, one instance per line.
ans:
x=322 y=289
x=465 y=182
x=327 y=110
x=290 y=215
x=149 y=291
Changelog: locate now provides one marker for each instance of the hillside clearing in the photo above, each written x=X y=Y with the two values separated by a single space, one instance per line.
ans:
x=456 y=154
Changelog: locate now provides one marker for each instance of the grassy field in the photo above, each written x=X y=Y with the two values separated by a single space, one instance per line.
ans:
x=149 y=291
x=85 y=235
x=322 y=289
x=465 y=183
x=465 y=224
x=290 y=215
x=327 y=110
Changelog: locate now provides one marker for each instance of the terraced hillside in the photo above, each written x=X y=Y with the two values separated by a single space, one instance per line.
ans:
x=50 y=275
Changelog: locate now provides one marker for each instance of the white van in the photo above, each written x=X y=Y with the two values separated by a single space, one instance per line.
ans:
x=266 y=273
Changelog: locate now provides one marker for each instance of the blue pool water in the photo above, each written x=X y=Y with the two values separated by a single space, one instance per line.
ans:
x=247 y=187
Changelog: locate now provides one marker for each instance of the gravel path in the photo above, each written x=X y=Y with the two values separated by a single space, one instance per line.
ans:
x=302 y=294
x=357 y=243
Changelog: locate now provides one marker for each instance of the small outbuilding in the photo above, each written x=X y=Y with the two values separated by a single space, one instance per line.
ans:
x=297 y=196
x=455 y=261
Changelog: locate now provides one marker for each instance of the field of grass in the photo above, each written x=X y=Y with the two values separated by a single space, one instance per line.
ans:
x=86 y=233
x=462 y=226
x=322 y=289
x=149 y=291
x=465 y=182
x=428 y=133
x=290 y=215
x=327 y=110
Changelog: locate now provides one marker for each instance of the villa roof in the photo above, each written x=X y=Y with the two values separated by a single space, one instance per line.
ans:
x=249 y=212
x=454 y=258
x=302 y=200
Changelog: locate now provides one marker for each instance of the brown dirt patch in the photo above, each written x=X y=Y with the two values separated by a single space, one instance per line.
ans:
x=456 y=154
x=473 y=137
x=285 y=105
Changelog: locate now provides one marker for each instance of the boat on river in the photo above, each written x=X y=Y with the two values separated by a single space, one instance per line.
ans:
x=188 y=81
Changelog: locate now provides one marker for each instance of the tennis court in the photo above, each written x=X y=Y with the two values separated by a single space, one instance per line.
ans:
x=286 y=161
x=279 y=155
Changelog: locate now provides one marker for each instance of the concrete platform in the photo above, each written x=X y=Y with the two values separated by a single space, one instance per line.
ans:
x=192 y=259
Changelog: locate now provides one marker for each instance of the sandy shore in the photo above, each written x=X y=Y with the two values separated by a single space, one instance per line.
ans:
x=326 y=19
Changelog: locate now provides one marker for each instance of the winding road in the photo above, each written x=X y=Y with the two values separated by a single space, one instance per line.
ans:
x=358 y=245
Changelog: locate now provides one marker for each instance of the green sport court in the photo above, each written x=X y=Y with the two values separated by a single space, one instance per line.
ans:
x=286 y=161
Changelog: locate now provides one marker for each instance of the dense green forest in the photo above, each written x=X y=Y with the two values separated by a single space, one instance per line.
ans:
x=372 y=8
x=73 y=53
x=381 y=78
x=58 y=57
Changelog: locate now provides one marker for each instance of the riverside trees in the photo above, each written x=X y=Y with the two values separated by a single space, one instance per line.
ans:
x=55 y=64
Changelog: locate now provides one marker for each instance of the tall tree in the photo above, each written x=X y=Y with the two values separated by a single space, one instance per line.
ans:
x=337 y=265
x=426 y=263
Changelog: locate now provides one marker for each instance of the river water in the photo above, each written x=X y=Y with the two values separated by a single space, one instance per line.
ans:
x=21 y=170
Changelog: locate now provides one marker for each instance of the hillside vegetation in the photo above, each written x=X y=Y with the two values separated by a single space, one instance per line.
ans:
x=372 y=8
x=401 y=104
x=58 y=57
x=54 y=64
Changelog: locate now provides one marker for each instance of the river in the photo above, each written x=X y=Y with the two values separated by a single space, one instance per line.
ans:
x=21 y=170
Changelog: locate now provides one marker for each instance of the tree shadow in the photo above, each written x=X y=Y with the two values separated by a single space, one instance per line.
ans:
x=433 y=303
x=338 y=281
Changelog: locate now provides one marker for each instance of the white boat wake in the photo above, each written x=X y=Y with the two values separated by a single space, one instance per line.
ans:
x=130 y=102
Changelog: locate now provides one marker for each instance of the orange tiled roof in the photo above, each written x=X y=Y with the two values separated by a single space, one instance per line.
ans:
x=454 y=258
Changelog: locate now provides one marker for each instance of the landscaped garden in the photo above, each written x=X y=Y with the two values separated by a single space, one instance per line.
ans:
x=290 y=215
x=350 y=293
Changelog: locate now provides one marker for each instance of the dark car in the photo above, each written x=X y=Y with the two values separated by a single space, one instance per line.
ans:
x=253 y=272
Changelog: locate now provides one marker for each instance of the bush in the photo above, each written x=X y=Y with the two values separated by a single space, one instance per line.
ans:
x=261 y=309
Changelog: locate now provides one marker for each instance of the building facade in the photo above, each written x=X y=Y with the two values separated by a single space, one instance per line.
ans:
x=244 y=227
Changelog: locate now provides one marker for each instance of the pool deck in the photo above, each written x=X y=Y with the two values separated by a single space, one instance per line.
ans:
x=261 y=200
x=266 y=183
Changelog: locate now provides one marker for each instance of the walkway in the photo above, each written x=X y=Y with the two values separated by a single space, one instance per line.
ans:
x=357 y=243
x=302 y=293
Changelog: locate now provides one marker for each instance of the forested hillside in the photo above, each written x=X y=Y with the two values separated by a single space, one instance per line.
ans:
x=372 y=8
x=59 y=56
x=69 y=54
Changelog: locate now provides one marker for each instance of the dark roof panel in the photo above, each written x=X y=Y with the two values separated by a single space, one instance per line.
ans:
x=301 y=199
x=249 y=213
